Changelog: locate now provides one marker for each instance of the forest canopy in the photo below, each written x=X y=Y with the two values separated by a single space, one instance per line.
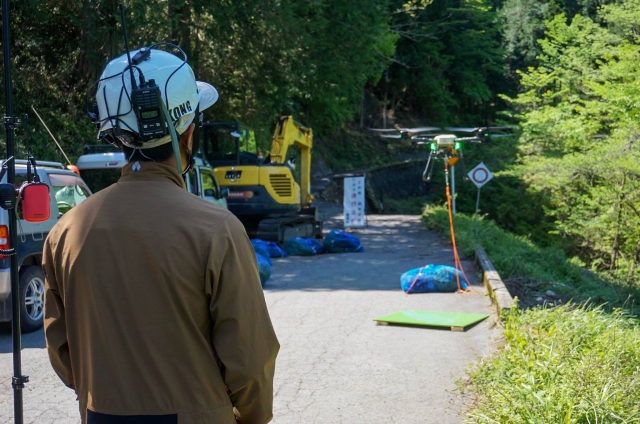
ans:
x=327 y=62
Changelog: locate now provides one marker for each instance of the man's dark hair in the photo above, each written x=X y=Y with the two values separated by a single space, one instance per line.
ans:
x=157 y=154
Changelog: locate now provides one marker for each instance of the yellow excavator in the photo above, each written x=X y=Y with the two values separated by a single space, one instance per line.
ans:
x=271 y=195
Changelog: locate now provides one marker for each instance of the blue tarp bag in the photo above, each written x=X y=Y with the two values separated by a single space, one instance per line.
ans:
x=299 y=246
x=264 y=266
x=432 y=279
x=340 y=242
x=260 y=246
x=275 y=251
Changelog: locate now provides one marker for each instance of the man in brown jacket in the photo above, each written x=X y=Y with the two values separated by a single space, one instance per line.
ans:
x=154 y=311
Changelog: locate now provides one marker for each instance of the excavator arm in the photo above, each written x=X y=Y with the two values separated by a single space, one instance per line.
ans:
x=289 y=133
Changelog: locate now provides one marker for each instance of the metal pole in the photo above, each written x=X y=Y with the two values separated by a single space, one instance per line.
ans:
x=18 y=380
x=453 y=189
x=475 y=218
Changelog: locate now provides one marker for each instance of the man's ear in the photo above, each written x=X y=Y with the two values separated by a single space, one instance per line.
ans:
x=187 y=137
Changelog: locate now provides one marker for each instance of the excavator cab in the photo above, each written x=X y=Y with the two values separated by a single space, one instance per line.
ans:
x=229 y=144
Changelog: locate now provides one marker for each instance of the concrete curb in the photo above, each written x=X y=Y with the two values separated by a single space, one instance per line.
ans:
x=500 y=296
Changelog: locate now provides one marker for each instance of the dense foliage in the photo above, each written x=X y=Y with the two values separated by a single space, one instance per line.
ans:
x=327 y=62
x=310 y=58
x=448 y=65
x=579 y=146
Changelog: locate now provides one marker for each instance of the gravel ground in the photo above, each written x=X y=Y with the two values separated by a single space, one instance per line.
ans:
x=335 y=364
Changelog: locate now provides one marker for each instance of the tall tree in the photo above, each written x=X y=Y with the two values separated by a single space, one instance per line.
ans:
x=448 y=65
x=580 y=145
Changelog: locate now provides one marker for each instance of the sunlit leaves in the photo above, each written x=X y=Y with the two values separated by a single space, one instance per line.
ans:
x=579 y=111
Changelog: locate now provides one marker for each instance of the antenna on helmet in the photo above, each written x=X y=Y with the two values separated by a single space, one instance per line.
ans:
x=152 y=116
x=126 y=46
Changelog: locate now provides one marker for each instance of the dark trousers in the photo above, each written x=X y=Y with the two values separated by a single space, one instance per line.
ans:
x=98 y=418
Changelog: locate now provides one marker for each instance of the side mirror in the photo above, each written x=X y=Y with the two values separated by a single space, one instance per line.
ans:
x=224 y=192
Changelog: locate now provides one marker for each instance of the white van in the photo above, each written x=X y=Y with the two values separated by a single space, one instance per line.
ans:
x=100 y=167
x=67 y=191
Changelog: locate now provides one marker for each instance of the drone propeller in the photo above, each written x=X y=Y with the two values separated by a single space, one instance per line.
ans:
x=423 y=137
x=477 y=129
x=405 y=130
x=420 y=129
x=461 y=129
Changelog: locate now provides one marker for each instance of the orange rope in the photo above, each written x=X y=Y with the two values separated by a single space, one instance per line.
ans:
x=456 y=257
x=413 y=283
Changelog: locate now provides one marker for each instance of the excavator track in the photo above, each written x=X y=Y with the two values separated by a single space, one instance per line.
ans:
x=281 y=229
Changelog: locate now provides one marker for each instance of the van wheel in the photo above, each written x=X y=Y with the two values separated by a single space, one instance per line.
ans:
x=31 y=298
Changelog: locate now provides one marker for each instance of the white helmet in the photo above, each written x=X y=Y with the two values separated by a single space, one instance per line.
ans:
x=179 y=89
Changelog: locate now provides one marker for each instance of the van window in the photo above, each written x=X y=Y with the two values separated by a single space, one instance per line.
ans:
x=192 y=184
x=19 y=179
x=97 y=179
x=68 y=190
x=209 y=184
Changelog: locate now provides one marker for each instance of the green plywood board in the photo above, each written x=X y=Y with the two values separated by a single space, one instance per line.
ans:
x=455 y=321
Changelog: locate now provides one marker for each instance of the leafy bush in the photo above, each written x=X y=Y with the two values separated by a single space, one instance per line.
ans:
x=563 y=365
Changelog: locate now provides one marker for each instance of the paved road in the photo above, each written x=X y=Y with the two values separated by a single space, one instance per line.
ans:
x=335 y=364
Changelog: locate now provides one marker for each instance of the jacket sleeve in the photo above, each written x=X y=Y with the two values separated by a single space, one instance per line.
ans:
x=243 y=335
x=55 y=326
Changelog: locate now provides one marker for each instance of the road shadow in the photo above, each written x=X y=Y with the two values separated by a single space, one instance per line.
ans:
x=393 y=244
x=33 y=340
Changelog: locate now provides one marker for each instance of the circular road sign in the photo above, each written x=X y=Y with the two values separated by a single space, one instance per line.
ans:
x=480 y=175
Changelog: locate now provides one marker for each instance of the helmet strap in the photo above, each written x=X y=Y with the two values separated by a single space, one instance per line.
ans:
x=195 y=141
x=174 y=138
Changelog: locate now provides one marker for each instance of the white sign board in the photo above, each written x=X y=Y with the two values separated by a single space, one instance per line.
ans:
x=354 y=211
x=480 y=175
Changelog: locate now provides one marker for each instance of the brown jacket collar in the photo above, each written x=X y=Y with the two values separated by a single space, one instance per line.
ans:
x=151 y=171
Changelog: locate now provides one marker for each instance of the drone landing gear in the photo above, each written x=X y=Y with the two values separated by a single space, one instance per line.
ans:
x=428 y=169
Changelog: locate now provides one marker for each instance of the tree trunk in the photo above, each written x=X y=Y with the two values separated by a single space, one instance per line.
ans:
x=180 y=17
x=185 y=28
x=82 y=64
x=636 y=257
x=616 y=240
x=362 y=109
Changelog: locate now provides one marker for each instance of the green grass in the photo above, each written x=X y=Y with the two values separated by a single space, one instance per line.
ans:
x=527 y=270
x=562 y=365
